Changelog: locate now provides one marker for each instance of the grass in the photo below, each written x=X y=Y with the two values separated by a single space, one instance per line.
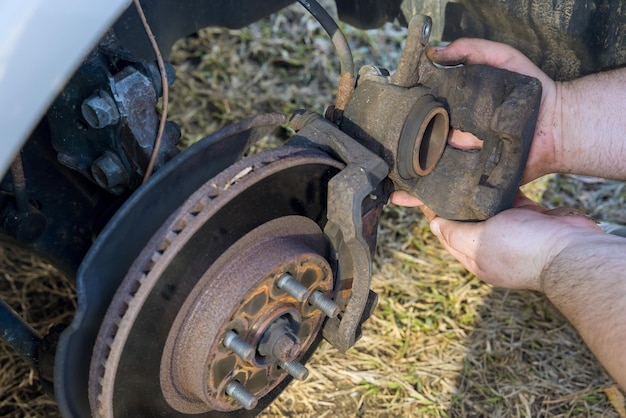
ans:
x=441 y=343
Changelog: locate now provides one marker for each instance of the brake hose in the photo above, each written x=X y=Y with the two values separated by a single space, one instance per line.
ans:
x=346 y=79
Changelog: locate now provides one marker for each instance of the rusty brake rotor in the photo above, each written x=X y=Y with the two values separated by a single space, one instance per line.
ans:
x=227 y=299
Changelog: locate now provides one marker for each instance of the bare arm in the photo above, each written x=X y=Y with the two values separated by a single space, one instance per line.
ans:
x=592 y=139
x=587 y=283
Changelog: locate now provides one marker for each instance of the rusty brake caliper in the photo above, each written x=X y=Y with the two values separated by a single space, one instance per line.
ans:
x=405 y=119
x=396 y=128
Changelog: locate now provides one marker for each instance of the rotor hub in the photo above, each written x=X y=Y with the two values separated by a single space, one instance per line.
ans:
x=238 y=325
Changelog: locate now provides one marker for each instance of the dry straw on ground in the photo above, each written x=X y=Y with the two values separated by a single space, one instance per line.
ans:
x=441 y=343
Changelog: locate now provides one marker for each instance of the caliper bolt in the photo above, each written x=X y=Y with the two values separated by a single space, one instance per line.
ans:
x=293 y=287
x=238 y=346
x=241 y=395
x=324 y=304
x=295 y=369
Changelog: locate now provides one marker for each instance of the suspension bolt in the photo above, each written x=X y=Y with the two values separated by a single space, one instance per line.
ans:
x=241 y=395
x=293 y=287
x=324 y=304
x=109 y=171
x=100 y=110
x=238 y=346
x=295 y=369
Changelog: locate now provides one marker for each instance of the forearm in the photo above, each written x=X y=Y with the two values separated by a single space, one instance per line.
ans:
x=587 y=283
x=590 y=136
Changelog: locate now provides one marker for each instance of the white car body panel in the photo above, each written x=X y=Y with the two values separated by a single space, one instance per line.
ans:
x=42 y=42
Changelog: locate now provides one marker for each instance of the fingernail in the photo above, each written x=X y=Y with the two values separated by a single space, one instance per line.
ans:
x=435 y=229
x=442 y=46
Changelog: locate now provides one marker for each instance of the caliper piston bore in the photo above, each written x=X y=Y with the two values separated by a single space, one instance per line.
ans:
x=423 y=138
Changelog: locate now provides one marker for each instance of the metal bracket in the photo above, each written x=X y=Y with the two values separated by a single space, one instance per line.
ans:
x=363 y=179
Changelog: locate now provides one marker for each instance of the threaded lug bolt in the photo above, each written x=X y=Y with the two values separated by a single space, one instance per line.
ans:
x=295 y=369
x=324 y=304
x=241 y=395
x=293 y=287
x=238 y=346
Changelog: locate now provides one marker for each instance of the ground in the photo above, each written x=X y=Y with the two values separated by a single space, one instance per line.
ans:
x=441 y=343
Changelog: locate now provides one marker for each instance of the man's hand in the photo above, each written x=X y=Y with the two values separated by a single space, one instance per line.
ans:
x=542 y=158
x=558 y=252
x=515 y=247
x=580 y=126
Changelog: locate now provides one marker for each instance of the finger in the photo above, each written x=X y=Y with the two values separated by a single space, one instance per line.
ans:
x=428 y=212
x=481 y=51
x=530 y=175
x=459 y=238
x=402 y=198
x=464 y=140
x=458 y=235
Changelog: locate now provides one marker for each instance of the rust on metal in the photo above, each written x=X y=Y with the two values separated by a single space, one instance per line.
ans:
x=344 y=91
x=404 y=119
x=238 y=294
x=352 y=193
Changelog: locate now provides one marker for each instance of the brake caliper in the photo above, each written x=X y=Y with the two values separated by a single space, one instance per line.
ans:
x=405 y=119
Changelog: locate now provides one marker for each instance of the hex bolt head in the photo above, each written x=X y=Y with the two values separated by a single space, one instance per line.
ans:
x=295 y=369
x=238 y=346
x=324 y=304
x=100 y=110
x=109 y=171
x=293 y=287
x=241 y=395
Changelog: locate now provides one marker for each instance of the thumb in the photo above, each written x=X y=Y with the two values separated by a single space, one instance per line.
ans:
x=481 y=51
x=459 y=238
x=473 y=51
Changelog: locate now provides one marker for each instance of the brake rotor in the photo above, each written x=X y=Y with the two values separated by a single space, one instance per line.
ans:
x=223 y=304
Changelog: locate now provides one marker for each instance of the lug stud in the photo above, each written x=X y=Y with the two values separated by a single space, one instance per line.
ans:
x=241 y=395
x=324 y=304
x=238 y=346
x=299 y=292
x=295 y=369
x=293 y=287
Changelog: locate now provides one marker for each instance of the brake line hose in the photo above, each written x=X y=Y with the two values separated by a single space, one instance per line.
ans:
x=346 y=79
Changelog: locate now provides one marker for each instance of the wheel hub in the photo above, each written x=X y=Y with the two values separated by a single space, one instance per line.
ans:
x=238 y=326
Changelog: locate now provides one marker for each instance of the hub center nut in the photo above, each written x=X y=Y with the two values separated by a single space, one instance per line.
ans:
x=279 y=342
